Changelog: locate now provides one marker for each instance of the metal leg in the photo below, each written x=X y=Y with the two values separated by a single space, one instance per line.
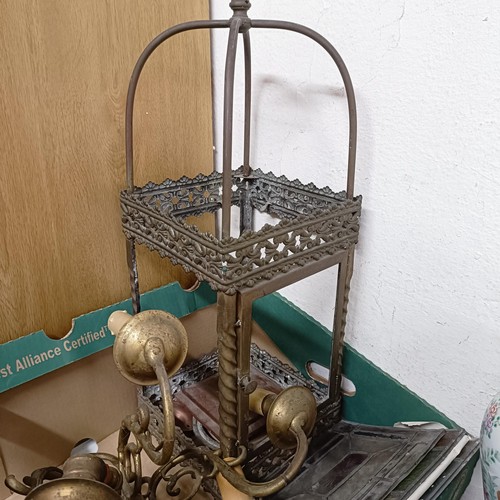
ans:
x=339 y=322
x=245 y=384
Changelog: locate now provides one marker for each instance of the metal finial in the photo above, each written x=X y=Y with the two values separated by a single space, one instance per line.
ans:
x=240 y=5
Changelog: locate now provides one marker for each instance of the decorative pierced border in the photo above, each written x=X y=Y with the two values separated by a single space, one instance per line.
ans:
x=203 y=193
x=199 y=370
x=315 y=223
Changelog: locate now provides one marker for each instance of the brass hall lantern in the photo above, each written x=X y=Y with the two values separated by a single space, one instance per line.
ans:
x=273 y=432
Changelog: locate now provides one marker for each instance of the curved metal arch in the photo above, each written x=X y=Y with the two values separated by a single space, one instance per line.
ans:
x=239 y=23
x=134 y=80
x=346 y=78
x=234 y=24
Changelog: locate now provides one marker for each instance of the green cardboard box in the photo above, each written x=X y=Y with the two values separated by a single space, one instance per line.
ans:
x=380 y=400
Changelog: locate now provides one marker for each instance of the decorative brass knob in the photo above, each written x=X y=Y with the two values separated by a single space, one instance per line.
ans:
x=134 y=333
x=281 y=410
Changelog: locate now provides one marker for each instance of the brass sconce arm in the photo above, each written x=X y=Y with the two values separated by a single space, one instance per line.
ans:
x=138 y=423
x=147 y=347
x=229 y=468
x=37 y=477
x=290 y=417
x=151 y=344
x=268 y=488
x=15 y=485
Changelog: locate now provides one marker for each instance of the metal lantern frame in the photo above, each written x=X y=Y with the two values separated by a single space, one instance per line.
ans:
x=318 y=228
x=307 y=451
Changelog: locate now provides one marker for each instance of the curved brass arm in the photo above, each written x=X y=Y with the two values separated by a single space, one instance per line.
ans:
x=15 y=485
x=275 y=485
x=145 y=347
x=138 y=423
x=148 y=346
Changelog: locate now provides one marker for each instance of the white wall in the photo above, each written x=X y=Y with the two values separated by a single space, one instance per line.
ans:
x=425 y=301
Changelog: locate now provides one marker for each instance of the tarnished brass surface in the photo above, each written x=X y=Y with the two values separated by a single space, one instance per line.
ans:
x=82 y=476
x=316 y=230
x=73 y=489
x=227 y=490
x=227 y=345
x=294 y=403
x=269 y=487
x=131 y=340
x=147 y=346
x=85 y=467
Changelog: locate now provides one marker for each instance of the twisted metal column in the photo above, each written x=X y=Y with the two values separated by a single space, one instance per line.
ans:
x=228 y=367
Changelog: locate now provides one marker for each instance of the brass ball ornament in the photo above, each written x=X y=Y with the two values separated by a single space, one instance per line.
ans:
x=145 y=329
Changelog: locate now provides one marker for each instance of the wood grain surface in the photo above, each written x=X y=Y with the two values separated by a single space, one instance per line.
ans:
x=65 y=67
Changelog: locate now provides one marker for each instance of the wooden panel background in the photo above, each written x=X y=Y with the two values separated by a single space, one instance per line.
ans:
x=65 y=67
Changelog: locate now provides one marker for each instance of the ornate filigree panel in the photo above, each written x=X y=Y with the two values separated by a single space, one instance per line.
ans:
x=315 y=223
x=286 y=199
x=199 y=370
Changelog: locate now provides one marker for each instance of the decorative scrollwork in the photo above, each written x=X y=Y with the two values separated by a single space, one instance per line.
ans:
x=315 y=223
x=171 y=478
x=265 y=462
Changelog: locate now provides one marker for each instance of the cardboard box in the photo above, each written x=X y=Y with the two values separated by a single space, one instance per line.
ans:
x=48 y=403
x=55 y=392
